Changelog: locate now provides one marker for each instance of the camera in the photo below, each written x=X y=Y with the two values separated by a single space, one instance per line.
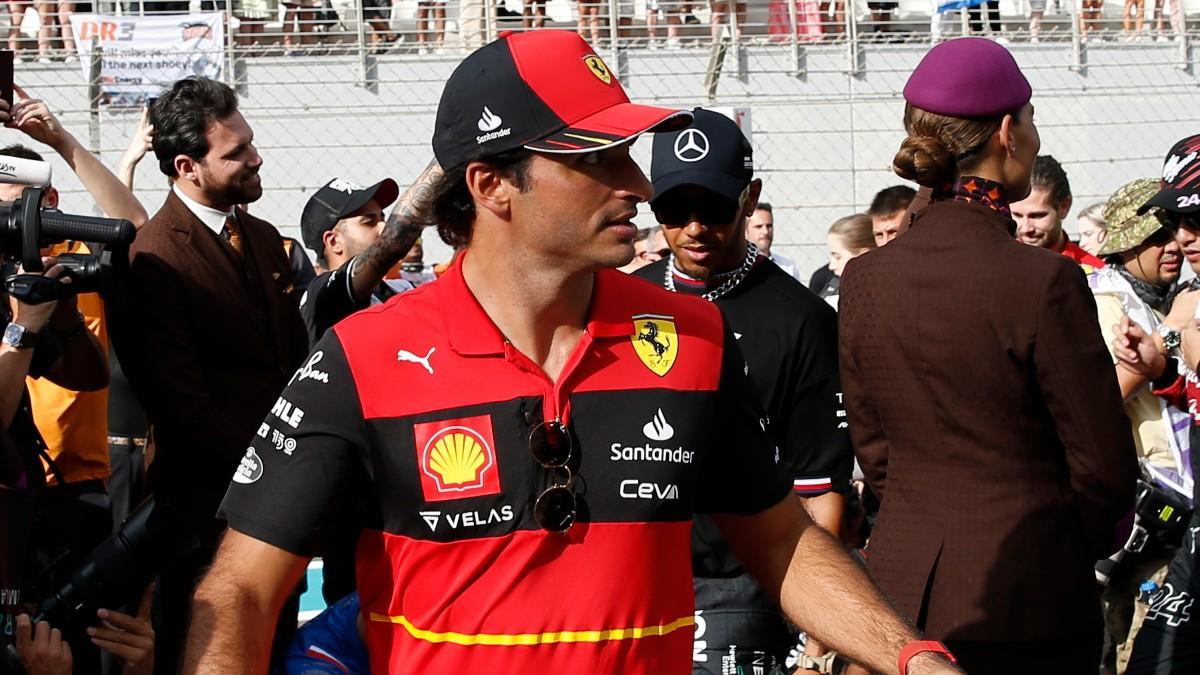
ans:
x=120 y=567
x=25 y=228
x=1160 y=516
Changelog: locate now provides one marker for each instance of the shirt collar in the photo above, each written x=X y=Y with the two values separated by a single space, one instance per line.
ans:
x=473 y=333
x=212 y=218
x=988 y=193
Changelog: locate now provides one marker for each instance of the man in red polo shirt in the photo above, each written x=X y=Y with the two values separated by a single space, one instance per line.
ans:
x=1039 y=216
x=530 y=510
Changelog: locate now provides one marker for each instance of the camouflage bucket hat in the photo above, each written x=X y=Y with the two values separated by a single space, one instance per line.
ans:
x=1127 y=229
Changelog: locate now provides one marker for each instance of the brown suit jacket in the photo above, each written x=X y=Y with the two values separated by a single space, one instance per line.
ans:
x=208 y=341
x=985 y=413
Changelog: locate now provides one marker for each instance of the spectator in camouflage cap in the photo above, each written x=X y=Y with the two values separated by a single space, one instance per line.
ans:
x=1144 y=260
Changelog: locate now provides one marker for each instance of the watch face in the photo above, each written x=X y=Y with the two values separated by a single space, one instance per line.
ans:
x=13 y=334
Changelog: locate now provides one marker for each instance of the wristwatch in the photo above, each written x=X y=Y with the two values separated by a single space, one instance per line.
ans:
x=16 y=335
x=1171 y=337
x=820 y=664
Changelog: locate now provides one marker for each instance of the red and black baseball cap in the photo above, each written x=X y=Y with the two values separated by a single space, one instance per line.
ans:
x=1180 y=190
x=544 y=90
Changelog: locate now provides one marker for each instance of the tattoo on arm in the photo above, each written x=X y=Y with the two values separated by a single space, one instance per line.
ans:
x=413 y=212
x=410 y=216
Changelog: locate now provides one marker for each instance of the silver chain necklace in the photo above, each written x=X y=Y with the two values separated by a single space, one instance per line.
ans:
x=731 y=283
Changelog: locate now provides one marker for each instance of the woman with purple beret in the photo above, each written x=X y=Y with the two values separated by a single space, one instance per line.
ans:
x=982 y=401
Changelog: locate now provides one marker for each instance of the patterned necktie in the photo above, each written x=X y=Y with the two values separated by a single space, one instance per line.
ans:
x=233 y=234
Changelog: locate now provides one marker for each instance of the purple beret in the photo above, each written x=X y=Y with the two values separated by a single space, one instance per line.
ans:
x=968 y=77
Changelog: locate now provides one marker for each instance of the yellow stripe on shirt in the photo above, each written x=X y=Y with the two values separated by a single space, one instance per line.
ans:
x=536 y=638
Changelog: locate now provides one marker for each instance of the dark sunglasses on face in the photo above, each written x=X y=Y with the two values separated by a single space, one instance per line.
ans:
x=1177 y=220
x=1163 y=236
x=551 y=446
x=710 y=209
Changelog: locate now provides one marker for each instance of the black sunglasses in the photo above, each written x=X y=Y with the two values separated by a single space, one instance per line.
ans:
x=710 y=209
x=1177 y=220
x=551 y=446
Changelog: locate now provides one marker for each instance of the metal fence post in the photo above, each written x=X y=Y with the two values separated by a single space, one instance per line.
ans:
x=97 y=60
x=854 y=54
x=1078 y=50
x=489 y=20
x=614 y=34
x=799 y=65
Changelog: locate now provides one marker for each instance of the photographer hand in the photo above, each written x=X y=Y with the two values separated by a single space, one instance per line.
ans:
x=130 y=639
x=35 y=317
x=33 y=117
x=141 y=143
x=41 y=648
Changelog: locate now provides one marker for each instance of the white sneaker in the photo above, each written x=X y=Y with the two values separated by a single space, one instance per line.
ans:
x=18 y=60
x=71 y=58
x=423 y=51
x=673 y=43
x=44 y=59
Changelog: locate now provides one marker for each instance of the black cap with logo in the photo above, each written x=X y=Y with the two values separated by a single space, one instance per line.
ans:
x=712 y=153
x=1180 y=191
x=336 y=200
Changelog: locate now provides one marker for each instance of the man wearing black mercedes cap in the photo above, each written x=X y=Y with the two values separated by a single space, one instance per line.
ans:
x=1169 y=639
x=340 y=222
x=704 y=191
x=531 y=509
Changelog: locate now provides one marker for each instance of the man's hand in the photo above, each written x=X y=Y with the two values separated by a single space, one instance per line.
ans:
x=41 y=648
x=1136 y=351
x=1183 y=311
x=35 y=317
x=128 y=638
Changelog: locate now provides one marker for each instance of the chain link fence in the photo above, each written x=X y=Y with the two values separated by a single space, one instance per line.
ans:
x=355 y=96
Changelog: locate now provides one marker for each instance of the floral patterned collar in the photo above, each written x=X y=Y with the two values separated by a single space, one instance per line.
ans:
x=981 y=191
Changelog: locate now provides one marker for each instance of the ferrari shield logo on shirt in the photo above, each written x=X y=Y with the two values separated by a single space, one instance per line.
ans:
x=656 y=342
x=596 y=65
x=457 y=458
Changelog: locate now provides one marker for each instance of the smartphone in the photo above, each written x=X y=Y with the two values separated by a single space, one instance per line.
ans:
x=6 y=76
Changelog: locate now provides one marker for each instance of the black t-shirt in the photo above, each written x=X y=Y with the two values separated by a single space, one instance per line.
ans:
x=788 y=337
x=329 y=299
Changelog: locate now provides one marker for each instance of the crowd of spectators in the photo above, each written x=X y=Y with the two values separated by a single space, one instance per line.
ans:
x=153 y=386
x=298 y=27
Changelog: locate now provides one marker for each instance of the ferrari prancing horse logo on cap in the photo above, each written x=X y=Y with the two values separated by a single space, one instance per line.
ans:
x=656 y=342
x=596 y=65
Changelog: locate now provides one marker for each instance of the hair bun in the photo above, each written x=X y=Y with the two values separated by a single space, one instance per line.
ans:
x=925 y=160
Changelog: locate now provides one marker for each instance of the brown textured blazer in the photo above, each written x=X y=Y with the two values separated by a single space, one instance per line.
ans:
x=985 y=413
x=207 y=339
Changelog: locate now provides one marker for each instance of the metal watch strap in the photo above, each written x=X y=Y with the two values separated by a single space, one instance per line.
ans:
x=821 y=664
x=1171 y=337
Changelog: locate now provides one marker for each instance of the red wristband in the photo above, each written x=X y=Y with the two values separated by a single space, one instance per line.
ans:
x=920 y=646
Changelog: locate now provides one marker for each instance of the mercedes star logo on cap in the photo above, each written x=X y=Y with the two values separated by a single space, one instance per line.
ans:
x=691 y=145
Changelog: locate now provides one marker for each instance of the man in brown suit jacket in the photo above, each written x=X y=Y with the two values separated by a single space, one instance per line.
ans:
x=986 y=417
x=212 y=332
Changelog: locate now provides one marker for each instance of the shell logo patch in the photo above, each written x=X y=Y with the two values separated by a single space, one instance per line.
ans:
x=596 y=65
x=656 y=342
x=457 y=458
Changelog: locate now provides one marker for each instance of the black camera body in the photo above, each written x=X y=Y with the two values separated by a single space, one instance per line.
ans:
x=1160 y=516
x=26 y=228
x=120 y=567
